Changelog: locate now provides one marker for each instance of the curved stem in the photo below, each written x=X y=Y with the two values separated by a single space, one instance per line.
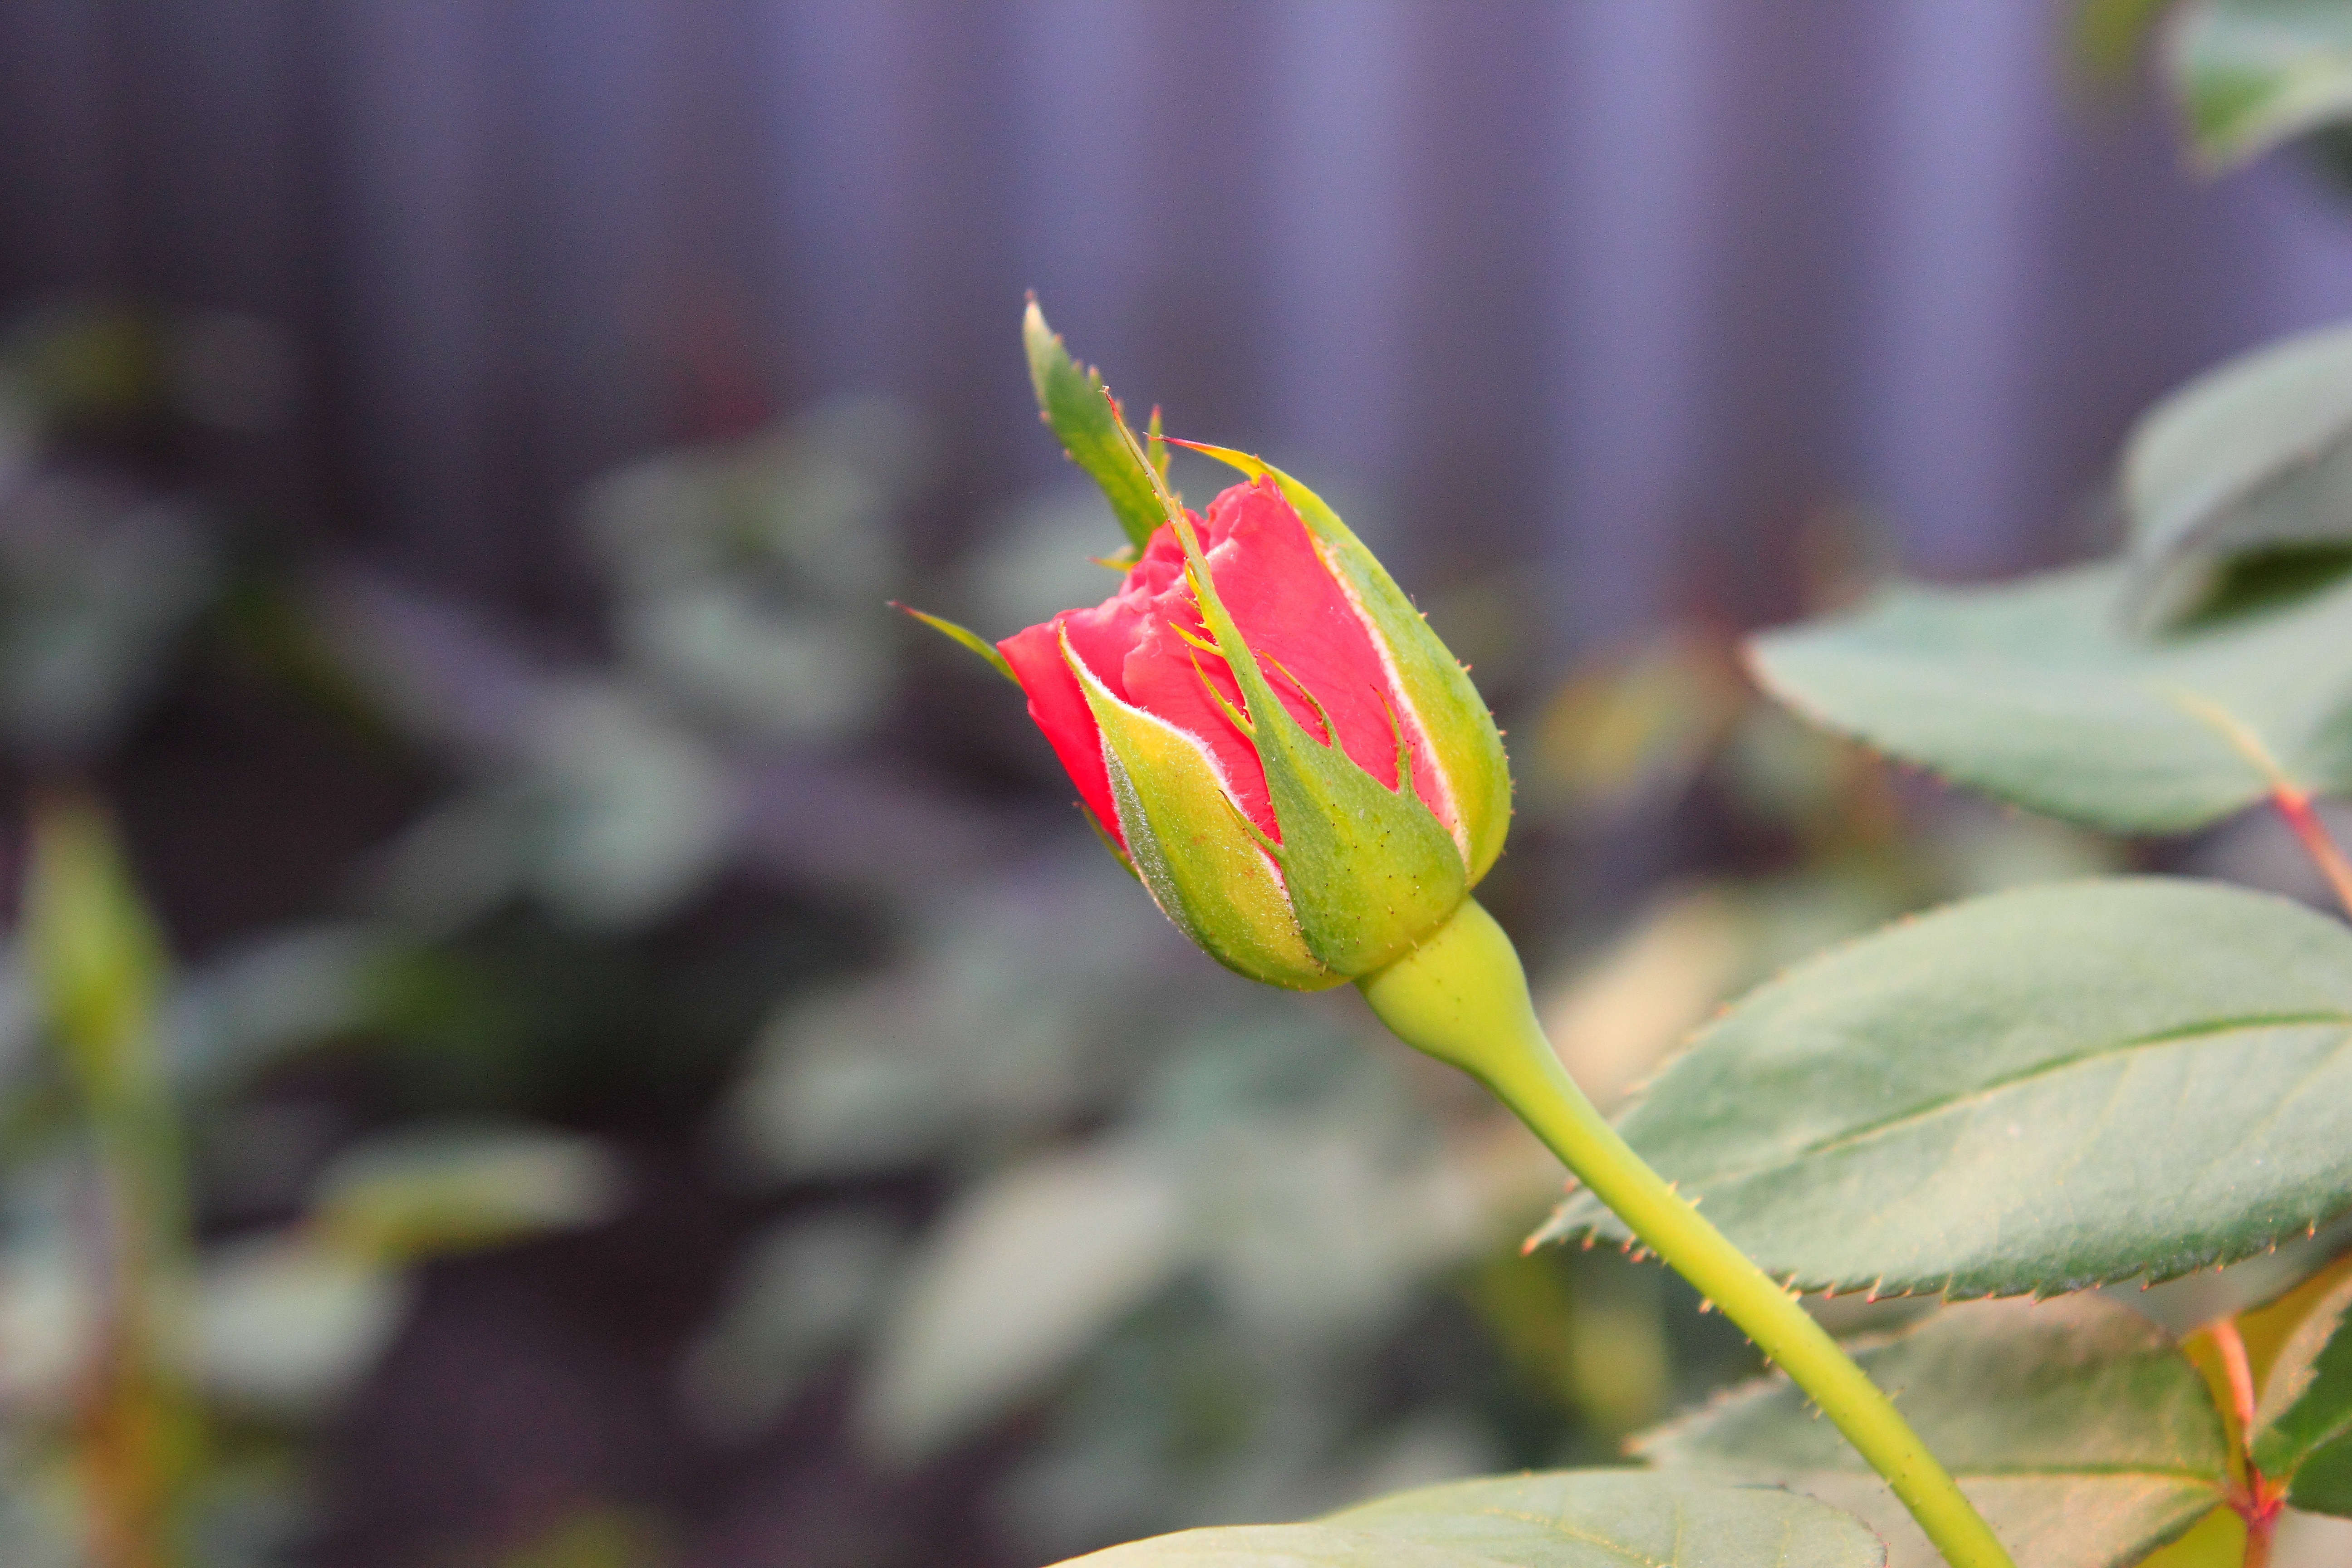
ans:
x=1462 y=996
x=96 y=962
x=2310 y=832
x=2256 y=1500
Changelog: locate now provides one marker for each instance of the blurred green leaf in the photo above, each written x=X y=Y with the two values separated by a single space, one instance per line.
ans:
x=2306 y=1412
x=48 y=1319
x=39 y=1526
x=2082 y=1432
x=1635 y=728
x=1587 y=1331
x=1176 y=1420
x=2109 y=36
x=1024 y=1273
x=98 y=582
x=2256 y=453
x=97 y=959
x=97 y=964
x=803 y=674
x=806 y=509
x=450 y=868
x=1072 y=402
x=2035 y=693
x=2030 y=1091
x=19 y=434
x=1978 y=848
x=427 y=1191
x=611 y=813
x=2324 y=1483
x=1035 y=985
x=284 y=1327
x=281 y=629
x=1317 y=1225
x=1568 y=1519
x=623 y=812
x=293 y=988
x=2253 y=74
x=800 y=1292
x=596 y=1536
x=81 y=360
x=2217 y=1540
x=749 y=571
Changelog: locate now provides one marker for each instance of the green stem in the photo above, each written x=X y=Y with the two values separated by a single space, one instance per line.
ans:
x=1463 y=998
x=98 y=963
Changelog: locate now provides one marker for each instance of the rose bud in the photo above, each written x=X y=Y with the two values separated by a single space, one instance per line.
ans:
x=1262 y=724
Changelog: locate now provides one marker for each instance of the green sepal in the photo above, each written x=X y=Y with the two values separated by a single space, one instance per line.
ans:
x=1193 y=848
x=965 y=635
x=1072 y=401
x=1464 y=742
x=1370 y=870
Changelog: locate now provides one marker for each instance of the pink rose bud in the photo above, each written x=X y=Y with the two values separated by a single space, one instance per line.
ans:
x=1257 y=718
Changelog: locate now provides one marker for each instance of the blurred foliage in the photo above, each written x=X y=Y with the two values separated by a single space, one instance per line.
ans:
x=1023 y=1188
x=2245 y=77
x=95 y=962
x=1229 y=1256
x=158 y=1394
x=592 y=1538
x=2110 y=36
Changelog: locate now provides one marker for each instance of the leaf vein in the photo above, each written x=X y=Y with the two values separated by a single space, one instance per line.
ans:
x=1559 y=1524
x=2095 y=1055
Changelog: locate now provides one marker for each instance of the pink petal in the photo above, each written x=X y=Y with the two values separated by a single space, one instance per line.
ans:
x=1059 y=708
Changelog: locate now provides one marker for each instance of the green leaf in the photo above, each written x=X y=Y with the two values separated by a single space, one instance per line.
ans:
x=2307 y=1407
x=430 y=1191
x=2267 y=1319
x=2035 y=693
x=801 y=1291
x=2253 y=74
x=2239 y=1292
x=1024 y=1273
x=283 y=1327
x=2256 y=453
x=2324 y=1485
x=2077 y=1427
x=1071 y=400
x=2040 y=1090
x=1566 y=1519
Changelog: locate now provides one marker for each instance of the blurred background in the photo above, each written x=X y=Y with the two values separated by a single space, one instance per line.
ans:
x=644 y=1067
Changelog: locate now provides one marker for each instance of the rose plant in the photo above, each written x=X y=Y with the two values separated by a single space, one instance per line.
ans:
x=2026 y=1095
